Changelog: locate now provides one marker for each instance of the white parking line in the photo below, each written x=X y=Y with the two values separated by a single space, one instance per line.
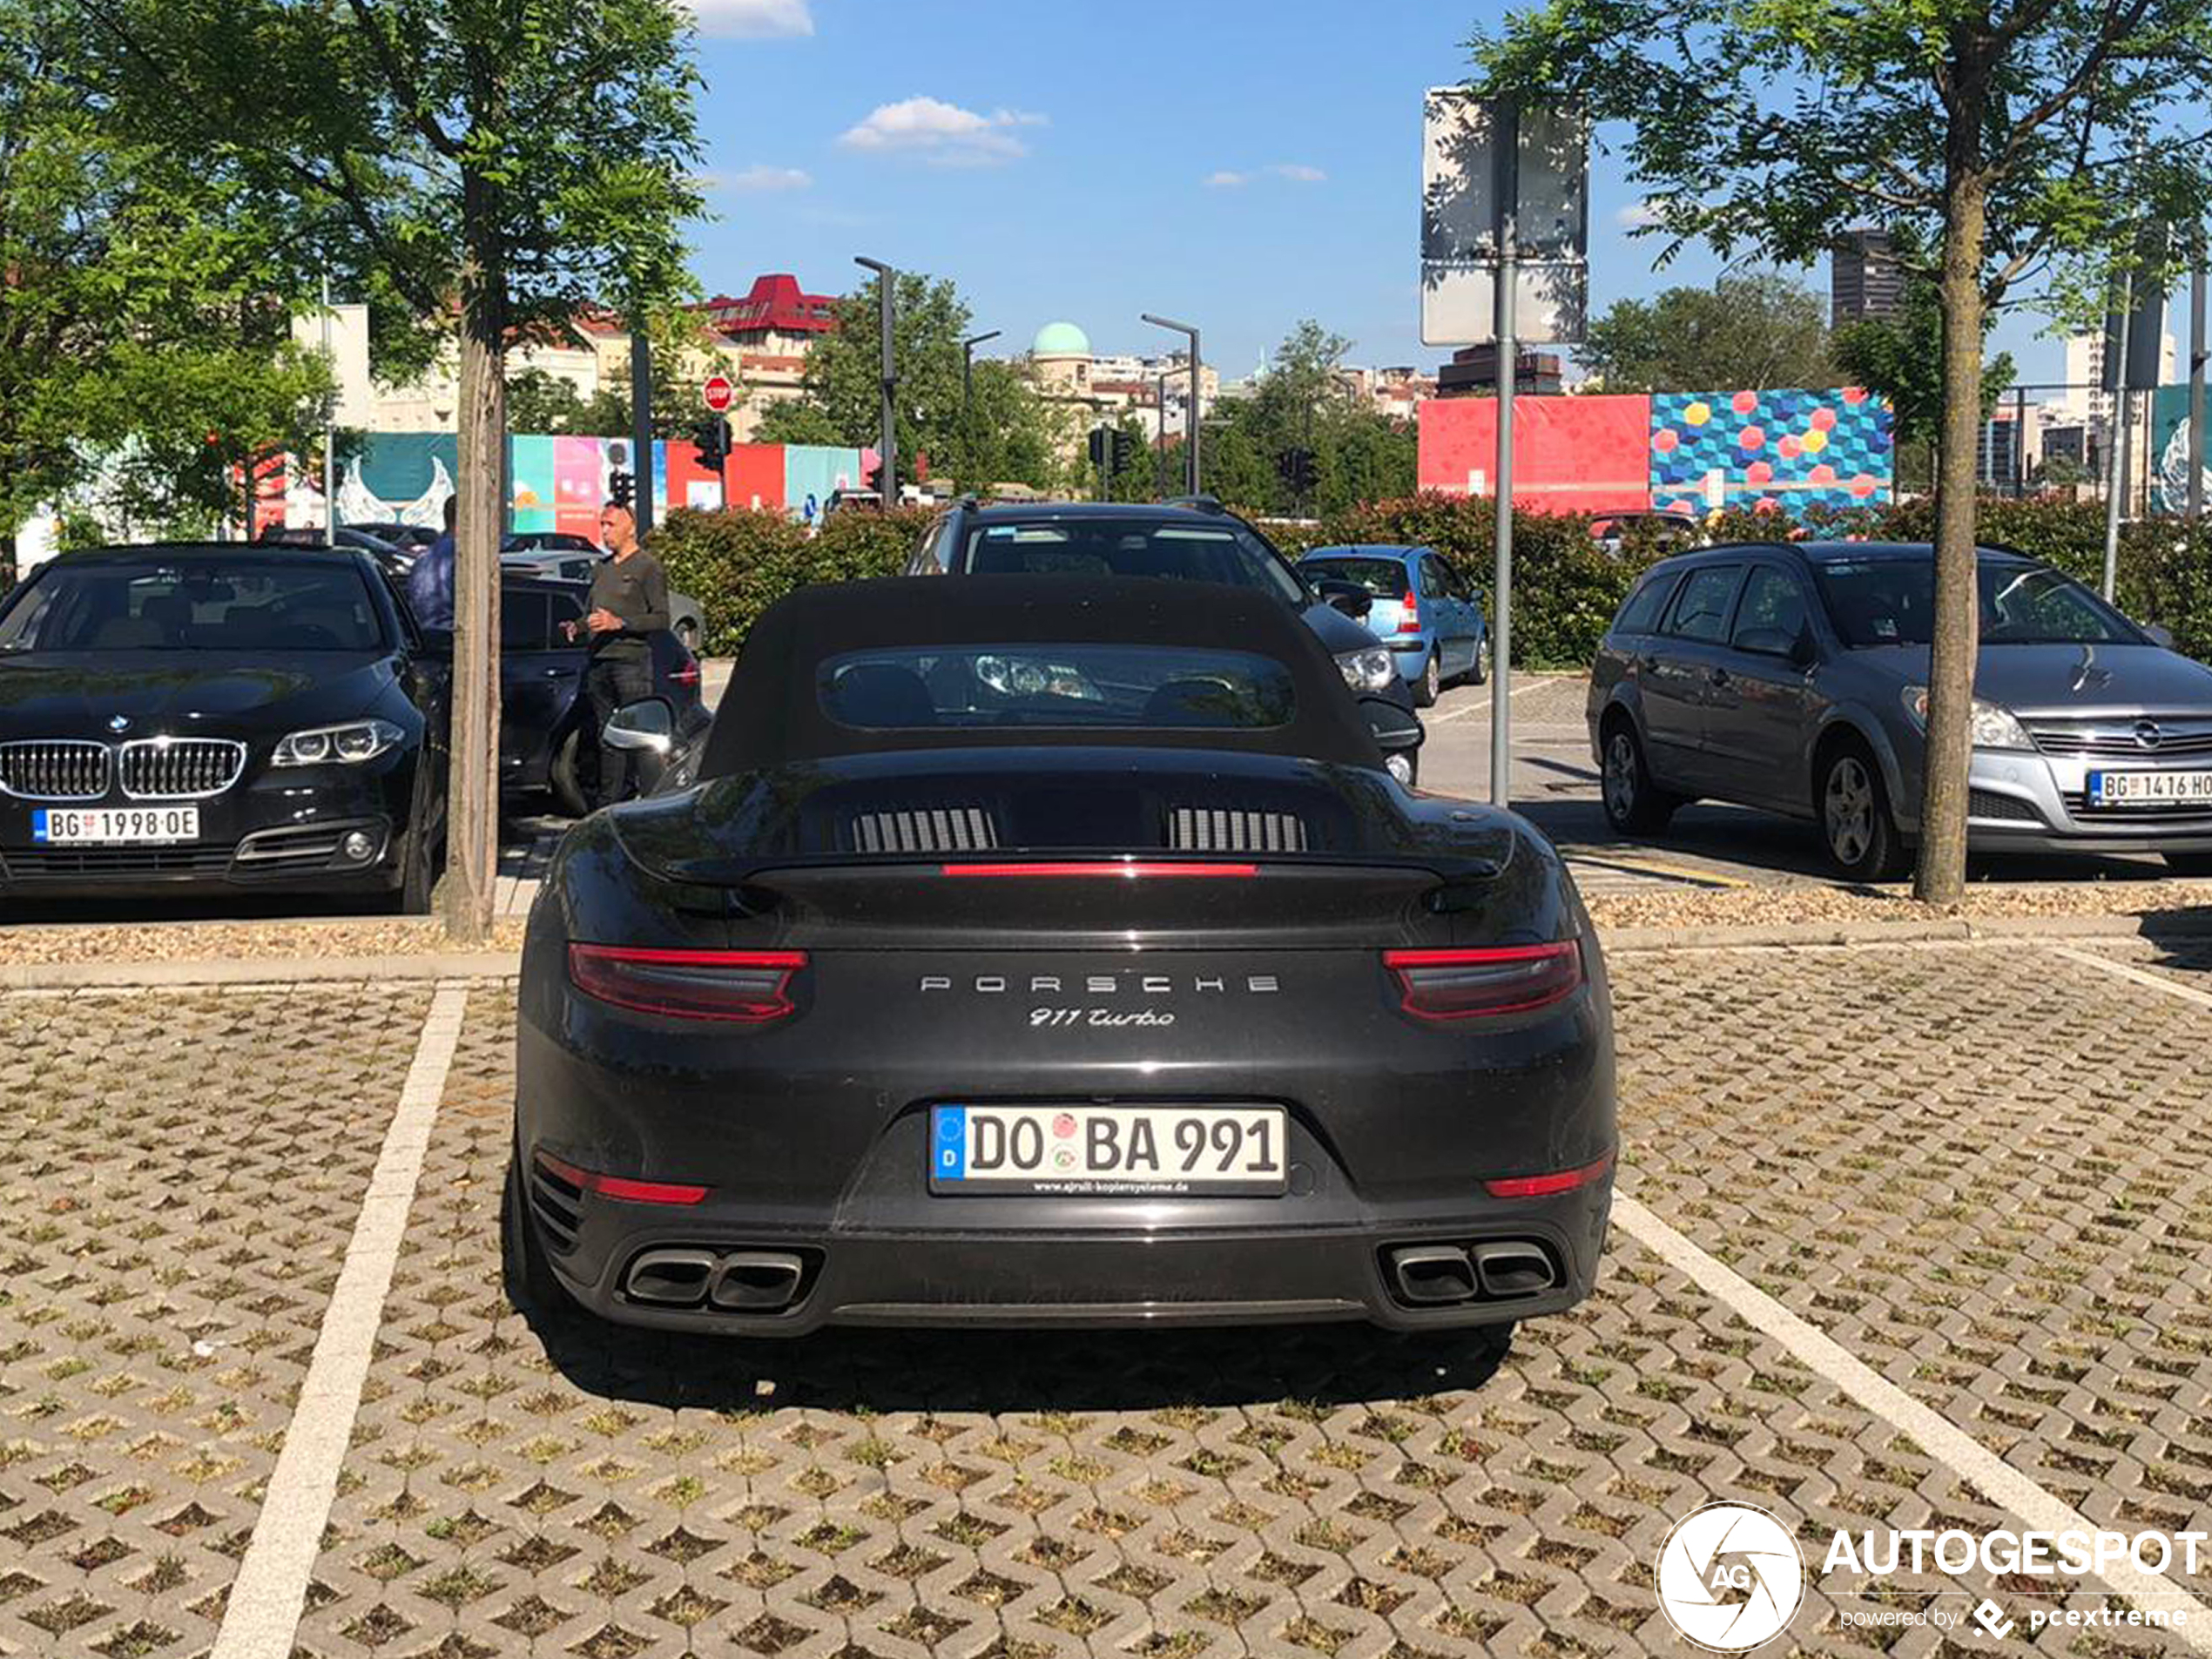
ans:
x=2141 y=976
x=1935 y=1434
x=266 y=1602
x=1483 y=704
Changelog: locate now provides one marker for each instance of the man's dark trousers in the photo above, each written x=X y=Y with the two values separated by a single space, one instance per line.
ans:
x=616 y=677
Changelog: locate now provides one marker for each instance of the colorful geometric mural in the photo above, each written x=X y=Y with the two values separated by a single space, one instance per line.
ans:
x=1788 y=450
x=1778 y=451
x=558 y=483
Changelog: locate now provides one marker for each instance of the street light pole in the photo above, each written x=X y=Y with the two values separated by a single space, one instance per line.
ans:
x=967 y=366
x=329 y=434
x=1160 y=444
x=1190 y=468
x=886 y=316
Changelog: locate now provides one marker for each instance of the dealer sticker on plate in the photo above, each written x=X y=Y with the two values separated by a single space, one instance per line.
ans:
x=1136 y=1151
x=2150 y=788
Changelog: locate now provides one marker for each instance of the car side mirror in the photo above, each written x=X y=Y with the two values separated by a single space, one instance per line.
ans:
x=1348 y=597
x=1397 y=731
x=648 y=725
x=2159 y=634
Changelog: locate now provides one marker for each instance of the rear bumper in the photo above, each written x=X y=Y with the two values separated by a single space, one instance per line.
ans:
x=1256 y=1274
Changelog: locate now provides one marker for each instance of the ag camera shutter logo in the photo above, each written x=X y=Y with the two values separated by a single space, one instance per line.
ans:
x=1730 y=1577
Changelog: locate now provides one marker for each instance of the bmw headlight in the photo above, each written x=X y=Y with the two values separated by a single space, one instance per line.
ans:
x=1367 y=670
x=1995 y=726
x=346 y=745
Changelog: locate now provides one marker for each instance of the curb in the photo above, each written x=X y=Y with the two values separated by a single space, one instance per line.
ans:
x=270 y=970
x=1949 y=930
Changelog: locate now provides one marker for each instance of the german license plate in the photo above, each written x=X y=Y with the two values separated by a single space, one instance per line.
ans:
x=1134 y=1151
x=114 y=825
x=2150 y=788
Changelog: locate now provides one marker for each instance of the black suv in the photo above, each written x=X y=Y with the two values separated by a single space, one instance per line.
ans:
x=1197 y=539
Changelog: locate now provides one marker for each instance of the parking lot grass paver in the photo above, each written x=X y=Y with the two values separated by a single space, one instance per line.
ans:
x=179 y=1176
x=547 y=1484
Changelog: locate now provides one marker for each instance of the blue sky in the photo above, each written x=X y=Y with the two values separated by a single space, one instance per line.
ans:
x=1239 y=164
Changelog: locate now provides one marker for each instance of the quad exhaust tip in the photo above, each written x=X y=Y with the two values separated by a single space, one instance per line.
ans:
x=1501 y=1270
x=742 y=1281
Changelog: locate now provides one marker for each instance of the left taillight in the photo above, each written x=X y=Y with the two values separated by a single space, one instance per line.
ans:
x=687 y=675
x=1480 y=983
x=747 y=986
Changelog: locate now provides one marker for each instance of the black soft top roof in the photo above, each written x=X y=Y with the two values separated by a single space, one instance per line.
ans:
x=771 y=713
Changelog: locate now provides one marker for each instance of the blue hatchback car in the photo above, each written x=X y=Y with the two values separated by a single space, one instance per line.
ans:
x=1424 y=611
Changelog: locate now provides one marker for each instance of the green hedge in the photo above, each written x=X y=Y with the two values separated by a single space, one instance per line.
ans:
x=737 y=564
x=1566 y=589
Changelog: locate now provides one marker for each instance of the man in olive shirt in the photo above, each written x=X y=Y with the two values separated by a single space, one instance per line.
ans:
x=629 y=603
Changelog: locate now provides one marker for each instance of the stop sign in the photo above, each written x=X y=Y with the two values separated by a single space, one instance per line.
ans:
x=719 y=393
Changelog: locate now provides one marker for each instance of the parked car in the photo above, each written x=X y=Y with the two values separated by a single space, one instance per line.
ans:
x=686 y=619
x=1424 y=611
x=546 y=737
x=218 y=716
x=851 y=1030
x=1662 y=530
x=1794 y=677
x=548 y=542
x=409 y=538
x=1194 y=540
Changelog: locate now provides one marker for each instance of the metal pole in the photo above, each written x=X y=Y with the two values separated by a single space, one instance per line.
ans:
x=887 y=322
x=2196 y=384
x=2019 y=442
x=1160 y=443
x=1191 y=473
x=641 y=422
x=2116 y=441
x=1505 y=144
x=329 y=434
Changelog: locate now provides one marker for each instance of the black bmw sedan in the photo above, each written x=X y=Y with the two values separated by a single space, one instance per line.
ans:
x=1052 y=951
x=256 y=717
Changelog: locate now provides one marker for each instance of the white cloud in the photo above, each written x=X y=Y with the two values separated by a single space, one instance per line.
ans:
x=1296 y=171
x=762 y=177
x=1637 y=214
x=752 y=19
x=942 y=134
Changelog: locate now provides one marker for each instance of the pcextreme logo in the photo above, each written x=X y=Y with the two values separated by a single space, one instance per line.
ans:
x=1730 y=1577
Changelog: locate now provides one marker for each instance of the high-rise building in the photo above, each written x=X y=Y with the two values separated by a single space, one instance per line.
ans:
x=1866 y=283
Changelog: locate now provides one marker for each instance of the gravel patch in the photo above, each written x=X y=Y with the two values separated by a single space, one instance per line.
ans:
x=235 y=941
x=1798 y=905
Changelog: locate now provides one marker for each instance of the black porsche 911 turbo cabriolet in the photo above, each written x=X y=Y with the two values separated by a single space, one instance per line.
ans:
x=1054 y=951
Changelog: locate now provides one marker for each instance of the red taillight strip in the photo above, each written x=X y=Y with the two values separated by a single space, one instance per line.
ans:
x=605 y=972
x=621 y=1186
x=1131 y=869
x=1408 y=964
x=1545 y=1186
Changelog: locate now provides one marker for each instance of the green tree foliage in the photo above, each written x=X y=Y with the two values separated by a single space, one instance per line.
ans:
x=1998 y=135
x=1304 y=402
x=1764 y=329
x=541 y=402
x=1001 y=434
x=145 y=300
x=1901 y=358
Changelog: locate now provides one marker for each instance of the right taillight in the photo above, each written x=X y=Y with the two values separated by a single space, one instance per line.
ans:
x=1476 y=983
x=747 y=986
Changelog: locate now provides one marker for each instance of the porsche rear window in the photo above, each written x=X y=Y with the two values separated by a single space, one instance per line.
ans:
x=996 y=689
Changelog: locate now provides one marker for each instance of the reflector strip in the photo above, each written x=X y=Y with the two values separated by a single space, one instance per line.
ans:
x=621 y=1186
x=1545 y=1186
x=1130 y=869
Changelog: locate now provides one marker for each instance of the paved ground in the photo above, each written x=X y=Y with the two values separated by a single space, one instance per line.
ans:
x=1894 y=1214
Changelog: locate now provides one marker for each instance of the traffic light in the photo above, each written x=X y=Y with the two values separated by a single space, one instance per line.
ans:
x=1124 y=450
x=1098 y=450
x=622 y=488
x=1295 y=467
x=711 y=436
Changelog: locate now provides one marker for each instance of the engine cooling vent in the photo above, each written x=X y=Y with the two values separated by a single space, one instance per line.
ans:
x=1214 y=829
x=934 y=829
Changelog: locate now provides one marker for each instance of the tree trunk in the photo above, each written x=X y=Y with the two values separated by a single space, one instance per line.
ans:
x=472 y=834
x=1941 y=877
